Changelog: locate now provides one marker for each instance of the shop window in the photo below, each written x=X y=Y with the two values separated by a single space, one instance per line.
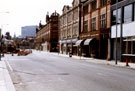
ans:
x=103 y=21
x=129 y=47
x=93 y=24
x=128 y=13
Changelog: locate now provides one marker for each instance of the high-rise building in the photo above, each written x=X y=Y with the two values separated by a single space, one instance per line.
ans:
x=28 y=31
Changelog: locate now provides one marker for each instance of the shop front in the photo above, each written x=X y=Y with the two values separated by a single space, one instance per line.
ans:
x=90 y=48
x=79 y=45
x=68 y=46
x=129 y=50
x=74 y=47
x=44 y=45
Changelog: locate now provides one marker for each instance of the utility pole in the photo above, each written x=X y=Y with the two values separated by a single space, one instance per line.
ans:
x=116 y=29
x=121 y=36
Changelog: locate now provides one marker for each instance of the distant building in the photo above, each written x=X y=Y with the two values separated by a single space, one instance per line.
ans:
x=8 y=36
x=28 y=31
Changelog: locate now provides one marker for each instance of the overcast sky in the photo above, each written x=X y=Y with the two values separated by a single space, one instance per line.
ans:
x=17 y=13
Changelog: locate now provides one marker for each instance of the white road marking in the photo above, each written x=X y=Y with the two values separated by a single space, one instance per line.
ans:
x=9 y=65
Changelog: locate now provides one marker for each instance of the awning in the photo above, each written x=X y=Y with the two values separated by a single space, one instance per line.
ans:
x=44 y=44
x=78 y=42
x=68 y=41
x=87 y=41
x=63 y=41
x=74 y=40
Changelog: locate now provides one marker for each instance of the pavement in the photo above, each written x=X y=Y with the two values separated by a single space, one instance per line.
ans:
x=99 y=61
x=93 y=60
x=6 y=83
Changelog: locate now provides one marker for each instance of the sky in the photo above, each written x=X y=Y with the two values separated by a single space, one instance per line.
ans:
x=15 y=14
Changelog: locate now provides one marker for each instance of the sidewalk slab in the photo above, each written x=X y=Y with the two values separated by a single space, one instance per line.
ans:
x=2 y=81
x=97 y=61
x=6 y=83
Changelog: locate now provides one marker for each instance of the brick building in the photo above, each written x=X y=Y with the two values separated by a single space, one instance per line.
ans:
x=69 y=28
x=47 y=35
x=95 y=27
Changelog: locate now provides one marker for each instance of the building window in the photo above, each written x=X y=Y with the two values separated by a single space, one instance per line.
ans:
x=103 y=3
x=85 y=9
x=85 y=26
x=75 y=31
x=113 y=17
x=69 y=18
x=65 y=20
x=114 y=1
x=76 y=14
x=69 y=32
x=128 y=13
x=93 y=24
x=64 y=34
x=94 y=5
x=103 y=21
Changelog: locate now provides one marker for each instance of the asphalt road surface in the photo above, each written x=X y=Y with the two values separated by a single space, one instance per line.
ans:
x=47 y=72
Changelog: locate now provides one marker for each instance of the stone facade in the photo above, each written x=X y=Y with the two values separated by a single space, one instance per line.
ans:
x=95 y=27
x=69 y=27
x=47 y=35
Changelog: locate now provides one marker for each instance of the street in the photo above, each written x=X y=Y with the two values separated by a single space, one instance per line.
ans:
x=42 y=71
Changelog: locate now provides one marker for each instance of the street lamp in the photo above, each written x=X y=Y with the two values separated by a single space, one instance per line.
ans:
x=116 y=29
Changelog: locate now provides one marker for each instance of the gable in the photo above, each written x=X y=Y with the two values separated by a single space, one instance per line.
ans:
x=75 y=3
x=64 y=9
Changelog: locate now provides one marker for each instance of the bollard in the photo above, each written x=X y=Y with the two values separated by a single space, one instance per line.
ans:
x=127 y=62
x=70 y=54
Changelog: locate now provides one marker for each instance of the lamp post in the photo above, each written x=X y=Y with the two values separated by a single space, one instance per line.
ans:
x=116 y=30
